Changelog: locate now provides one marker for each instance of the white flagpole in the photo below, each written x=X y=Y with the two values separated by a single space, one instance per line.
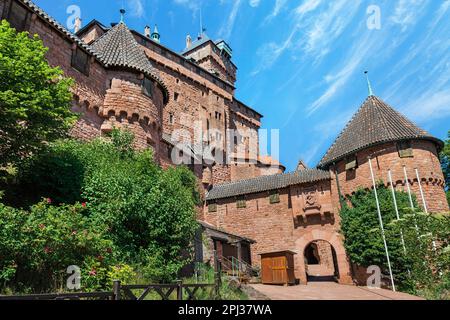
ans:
x=396 y=207
x=381 y=224
x=421 y=192
x=410 y=198
x=409 y=188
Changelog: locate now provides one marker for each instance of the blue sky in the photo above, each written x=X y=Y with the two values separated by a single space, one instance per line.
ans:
x=301 y=62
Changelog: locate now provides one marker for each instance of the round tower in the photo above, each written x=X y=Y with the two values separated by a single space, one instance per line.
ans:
x=394 y=145
x=135 y=94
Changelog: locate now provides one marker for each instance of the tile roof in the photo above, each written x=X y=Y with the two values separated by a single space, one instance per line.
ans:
x=197 y=43
x=374 y=123
x=118 y=48
x=266 y=183
x=41 y=13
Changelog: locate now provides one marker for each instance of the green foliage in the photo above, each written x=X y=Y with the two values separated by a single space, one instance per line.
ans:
x=427 y=239
x=361 y=228
x=445 y=161
x=34 y=97
x=39 y=244
x=448 y=197
x=147 y=213
x=424 y=269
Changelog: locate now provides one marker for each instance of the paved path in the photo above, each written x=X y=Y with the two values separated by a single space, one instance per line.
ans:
x=329 y=291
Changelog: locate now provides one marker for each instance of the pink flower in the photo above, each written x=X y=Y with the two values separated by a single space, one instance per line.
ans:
x=41 y=226
x=93 y=272
x=47 y=250
x=74 y=232
x=49 y=200
x=83 y=204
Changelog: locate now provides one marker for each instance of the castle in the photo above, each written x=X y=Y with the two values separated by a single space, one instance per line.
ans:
x=128 y=79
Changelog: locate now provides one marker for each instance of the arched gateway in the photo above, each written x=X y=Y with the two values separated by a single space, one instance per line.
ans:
x=343 y=274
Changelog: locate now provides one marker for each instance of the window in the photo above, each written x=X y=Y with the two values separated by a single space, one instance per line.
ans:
x=18 y=16
x=175 y=96
x=171 y=120
x=147 y=87
x=80 y=61
x=212 y=207
x=241 y=203
x=274 y=197
x=405 y=149
x=351 y=163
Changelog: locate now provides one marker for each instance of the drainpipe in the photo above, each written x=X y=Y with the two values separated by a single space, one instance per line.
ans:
x=341 y=198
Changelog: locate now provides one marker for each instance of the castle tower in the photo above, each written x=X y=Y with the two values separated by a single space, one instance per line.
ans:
x=394 y=143
x=155 y=35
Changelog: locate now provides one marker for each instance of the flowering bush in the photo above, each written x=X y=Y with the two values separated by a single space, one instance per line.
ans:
x=39 y=244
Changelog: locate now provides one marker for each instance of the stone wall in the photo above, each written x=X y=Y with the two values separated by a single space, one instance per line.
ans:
x=276 y=227
x=386 y=157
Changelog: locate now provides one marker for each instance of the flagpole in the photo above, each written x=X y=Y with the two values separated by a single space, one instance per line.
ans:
x=381 y=224
x=396 y=208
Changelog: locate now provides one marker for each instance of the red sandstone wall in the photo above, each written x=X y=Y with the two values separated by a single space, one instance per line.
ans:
x=274 y=228
x=386 y=157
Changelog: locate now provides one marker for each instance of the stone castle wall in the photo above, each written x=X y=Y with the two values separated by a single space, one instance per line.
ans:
x=386 y=157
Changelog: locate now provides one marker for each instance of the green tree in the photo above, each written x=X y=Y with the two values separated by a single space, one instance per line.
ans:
x=34 y=97
x=361 y=228
x=445 y=161
x=149 y=212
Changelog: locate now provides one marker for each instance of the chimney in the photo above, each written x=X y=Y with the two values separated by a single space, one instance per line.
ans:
x=147 y=31
x=188 y=41
x=77 y=25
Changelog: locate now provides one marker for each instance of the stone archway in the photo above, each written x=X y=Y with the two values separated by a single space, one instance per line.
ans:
x=335 y=240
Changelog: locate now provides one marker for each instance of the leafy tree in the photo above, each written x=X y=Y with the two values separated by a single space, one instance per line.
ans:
x=149 y=212
x=428 y=252
x=39 y=244
x=445 y=161
x=34 y=97
x=361 y=228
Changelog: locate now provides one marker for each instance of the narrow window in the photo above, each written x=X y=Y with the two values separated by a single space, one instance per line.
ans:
x=175 y=96
x=18 y=16
x=80 y=61
x=147 y=87
x=274 y=197
x=351 y=163
x=212 y=207
x=241 y=203
x=171 y=118
x=405 y=149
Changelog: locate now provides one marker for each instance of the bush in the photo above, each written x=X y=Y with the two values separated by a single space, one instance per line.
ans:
x=147 y=213
x=38 y=245
x=424 y=269
x=361 y=228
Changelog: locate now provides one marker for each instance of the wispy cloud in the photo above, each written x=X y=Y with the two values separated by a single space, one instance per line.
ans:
x=227 y=28
x=254 y=3
x=272 y=51
x=278 y=7
x=407 y=12
x=137 y=8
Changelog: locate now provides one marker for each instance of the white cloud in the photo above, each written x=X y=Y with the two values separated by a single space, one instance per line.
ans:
x=254 y=3
x=279 y=6
x=137 y=8
x=307 y=6
x=407 y=12
x=430 y=106
x=227 y=28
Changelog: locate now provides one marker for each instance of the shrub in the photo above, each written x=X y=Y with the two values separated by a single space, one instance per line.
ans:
x=38 y=245
x=148 y=213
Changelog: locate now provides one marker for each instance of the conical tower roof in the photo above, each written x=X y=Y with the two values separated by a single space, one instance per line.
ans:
x=374 y=123
x=119 y=48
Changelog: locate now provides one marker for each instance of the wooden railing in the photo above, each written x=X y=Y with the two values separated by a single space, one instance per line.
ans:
x=177 y=291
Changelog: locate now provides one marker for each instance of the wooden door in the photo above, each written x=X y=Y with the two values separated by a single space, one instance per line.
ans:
x=279 y=270
x=266 y=270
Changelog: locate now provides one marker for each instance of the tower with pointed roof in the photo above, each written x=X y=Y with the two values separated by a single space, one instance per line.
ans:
x=155 y=36
x=379 y=132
